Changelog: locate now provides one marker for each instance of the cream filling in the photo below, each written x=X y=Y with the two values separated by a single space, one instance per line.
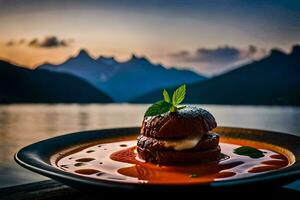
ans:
x=182 y=144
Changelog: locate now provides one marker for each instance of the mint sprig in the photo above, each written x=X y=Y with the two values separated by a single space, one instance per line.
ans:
x=166 y=105
x=158 y=108
x=166 y=96
x=179 y=95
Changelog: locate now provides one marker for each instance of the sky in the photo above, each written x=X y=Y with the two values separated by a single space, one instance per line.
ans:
x=209 y=37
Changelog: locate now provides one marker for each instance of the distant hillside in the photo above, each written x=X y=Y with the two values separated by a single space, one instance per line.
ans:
x=123 y=80
x=274 y=80
x=20 y=85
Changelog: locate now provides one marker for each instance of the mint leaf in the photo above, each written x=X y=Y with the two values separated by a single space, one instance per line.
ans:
x=166 y=96
x=179 y=95
x=167 y=105
x=249 y=151
x=158 y=108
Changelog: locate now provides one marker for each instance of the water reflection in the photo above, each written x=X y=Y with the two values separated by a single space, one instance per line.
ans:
x=21 y=125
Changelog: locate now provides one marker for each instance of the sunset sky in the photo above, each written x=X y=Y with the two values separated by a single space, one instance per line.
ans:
x=206 y=36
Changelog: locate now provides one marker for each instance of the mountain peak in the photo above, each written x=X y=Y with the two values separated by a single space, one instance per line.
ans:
x=138 y=58
x=133 y=56
x=83 y=53
x=107 y=57
x=296 y=50
x=107 y=60
x=277 y=53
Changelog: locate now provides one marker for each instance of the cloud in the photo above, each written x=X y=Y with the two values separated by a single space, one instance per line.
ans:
x=22 y=41
x=15 y=42
x=33 y=42
x=49 y=42
x=180 y=54
x=223 y=54
x=10 y=43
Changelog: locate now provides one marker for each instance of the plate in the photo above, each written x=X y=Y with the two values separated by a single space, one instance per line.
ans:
x=39 y=157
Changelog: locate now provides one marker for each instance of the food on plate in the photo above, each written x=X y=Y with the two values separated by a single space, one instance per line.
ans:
x=176 y=145
x=176 y=135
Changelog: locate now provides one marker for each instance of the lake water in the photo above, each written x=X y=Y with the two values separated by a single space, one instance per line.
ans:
x=21 y=125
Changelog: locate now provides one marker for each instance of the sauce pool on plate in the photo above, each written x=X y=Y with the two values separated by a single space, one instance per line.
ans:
x=118 y=161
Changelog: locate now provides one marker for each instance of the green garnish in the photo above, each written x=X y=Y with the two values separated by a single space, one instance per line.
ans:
x=178 y=95
x=166 y=96
x=249 y=151
x=166 y=105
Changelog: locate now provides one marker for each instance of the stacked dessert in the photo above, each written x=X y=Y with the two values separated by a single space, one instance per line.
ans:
x=178 y=138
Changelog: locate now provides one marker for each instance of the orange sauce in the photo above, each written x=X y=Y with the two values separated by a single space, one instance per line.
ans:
x=118 y=161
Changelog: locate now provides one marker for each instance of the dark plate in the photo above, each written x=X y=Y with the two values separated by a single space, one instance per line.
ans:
x=36 y=157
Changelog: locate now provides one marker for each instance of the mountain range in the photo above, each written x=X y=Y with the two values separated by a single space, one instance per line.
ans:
x=123 y=81
x=20 y=85
x=273 y=80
